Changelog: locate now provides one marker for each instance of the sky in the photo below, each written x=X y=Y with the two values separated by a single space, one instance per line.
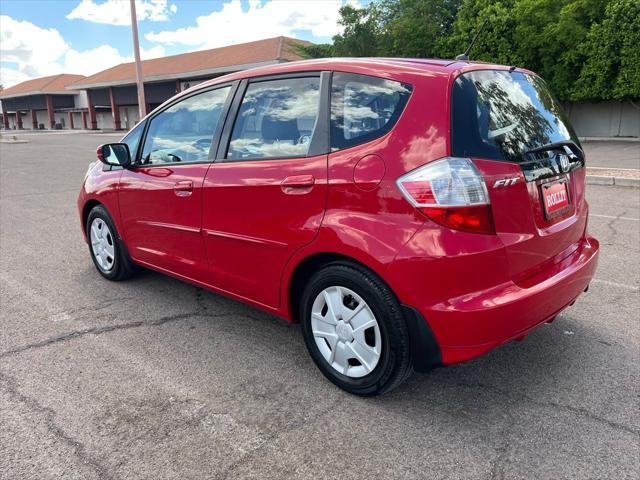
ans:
x=47 y=37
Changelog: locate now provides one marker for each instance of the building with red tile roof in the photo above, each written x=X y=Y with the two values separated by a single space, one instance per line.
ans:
x=45 y=100
x=109 y=98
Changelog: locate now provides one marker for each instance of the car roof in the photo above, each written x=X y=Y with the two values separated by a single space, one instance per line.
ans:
x=377 y=66
x=392 y=68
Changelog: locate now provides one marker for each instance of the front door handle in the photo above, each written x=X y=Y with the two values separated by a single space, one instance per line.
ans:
x=183 y=188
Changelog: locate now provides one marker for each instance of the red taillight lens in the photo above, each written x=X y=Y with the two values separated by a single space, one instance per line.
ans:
x=477 y=218
x=451 y=192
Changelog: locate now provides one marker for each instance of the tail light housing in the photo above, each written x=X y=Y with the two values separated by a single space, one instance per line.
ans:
x=451 y=192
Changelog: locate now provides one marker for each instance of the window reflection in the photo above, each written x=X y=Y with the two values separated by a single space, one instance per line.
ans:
x=502 y=115
x=183 y=132
x=364 y=107
x=133 y=139
x=276 y=119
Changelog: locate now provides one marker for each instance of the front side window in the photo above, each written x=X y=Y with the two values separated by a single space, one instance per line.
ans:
x=276 y=119
x=364 y=108
x=183 y=132
x=132 y=139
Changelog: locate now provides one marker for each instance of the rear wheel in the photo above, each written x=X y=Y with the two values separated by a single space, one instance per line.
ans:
x=354 y=330
x=107 y=250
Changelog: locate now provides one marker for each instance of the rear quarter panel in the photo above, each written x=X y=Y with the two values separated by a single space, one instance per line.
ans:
x=369 y=220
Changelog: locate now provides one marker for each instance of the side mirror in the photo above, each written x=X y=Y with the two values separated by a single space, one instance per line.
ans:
x=114 y=154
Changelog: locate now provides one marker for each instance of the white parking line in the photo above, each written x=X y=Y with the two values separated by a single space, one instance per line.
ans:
x=615 y=217
x=633 y=288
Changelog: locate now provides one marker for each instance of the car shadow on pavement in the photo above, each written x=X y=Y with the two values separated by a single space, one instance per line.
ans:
x=550 y=363
x=533 y=367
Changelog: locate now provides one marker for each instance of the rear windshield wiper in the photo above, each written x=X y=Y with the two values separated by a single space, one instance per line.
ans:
x=537 y=168
x=569 y=146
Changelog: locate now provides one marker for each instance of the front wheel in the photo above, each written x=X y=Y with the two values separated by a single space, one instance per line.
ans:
x=107 y=250
x=354 y=330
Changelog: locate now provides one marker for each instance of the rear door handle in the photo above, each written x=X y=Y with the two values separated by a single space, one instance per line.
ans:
x=298 y=181
x=183 y=188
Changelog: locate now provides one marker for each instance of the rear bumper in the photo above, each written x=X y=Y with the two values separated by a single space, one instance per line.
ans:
x=472 y=324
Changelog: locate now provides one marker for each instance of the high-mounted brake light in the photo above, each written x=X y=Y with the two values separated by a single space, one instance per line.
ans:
x=451 y=192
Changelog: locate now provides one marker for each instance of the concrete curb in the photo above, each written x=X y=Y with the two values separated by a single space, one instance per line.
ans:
x=618 y=181
x=609 y=139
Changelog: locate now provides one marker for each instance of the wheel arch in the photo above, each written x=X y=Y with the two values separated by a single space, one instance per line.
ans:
x=89 y=205
x=310 y=264
x=425 y=349
x=86 y=209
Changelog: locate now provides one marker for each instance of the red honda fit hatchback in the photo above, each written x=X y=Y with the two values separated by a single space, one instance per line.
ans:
x=409 y=213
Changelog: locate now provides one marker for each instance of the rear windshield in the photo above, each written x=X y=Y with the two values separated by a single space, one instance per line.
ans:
x=503 y=115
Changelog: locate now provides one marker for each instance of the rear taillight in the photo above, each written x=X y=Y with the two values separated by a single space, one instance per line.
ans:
x=451 y=192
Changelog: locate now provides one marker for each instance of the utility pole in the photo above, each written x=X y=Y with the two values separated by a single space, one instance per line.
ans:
x=136 y=53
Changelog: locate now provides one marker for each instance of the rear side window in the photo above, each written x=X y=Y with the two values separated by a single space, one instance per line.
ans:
x=276 y=119
x=504 y=115
x=364 y=108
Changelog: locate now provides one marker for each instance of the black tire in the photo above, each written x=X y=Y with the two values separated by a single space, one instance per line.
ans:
x=123 y=267
x=394 y=365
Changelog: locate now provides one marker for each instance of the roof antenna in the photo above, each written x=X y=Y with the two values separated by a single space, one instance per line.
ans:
x=465 y=56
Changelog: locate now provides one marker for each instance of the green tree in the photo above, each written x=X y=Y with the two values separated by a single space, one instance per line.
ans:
x=542 y=35
x=399 y=28
x=411 y=28
x=612 y=51
x=361 y=36
x=316 y=50
x=548 y=37
x=495 y=43
x=585 y=49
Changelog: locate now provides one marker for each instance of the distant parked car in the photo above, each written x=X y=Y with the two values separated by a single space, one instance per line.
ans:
x=409 y=213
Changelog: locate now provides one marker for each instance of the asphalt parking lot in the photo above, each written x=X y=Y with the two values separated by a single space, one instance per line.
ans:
x=616 y=154
x=154 y=378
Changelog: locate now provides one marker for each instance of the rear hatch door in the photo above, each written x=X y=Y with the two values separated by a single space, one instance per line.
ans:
x=514 y=129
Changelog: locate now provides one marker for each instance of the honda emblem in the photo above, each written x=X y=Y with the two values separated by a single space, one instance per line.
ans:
x=564 y=162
